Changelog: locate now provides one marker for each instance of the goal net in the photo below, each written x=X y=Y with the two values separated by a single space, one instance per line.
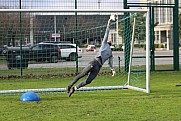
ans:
x=85 y=29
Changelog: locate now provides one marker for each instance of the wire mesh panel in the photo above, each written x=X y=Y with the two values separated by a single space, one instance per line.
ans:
x=28 y=29
x=50 y=44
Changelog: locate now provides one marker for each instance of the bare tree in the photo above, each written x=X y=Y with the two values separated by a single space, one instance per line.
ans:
x=13 y=25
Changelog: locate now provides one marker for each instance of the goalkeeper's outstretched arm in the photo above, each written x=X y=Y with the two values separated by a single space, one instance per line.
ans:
x=107 y=32
x=112 y=18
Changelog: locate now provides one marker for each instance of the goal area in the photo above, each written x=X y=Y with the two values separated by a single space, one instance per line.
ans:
x=81 y=27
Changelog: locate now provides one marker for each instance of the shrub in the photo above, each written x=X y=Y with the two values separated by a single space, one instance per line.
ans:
x=117 y=47
x=161 y=45
x=156 y=45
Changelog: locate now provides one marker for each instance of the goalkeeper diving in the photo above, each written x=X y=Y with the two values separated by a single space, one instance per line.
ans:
x=94 y=66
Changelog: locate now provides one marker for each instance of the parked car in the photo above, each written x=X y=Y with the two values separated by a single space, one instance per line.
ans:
x=68 y=50
x=91 y=48
x=39 y=52
x=2 y=50
x=45 y=51
x=112 y=47
x=13 y=56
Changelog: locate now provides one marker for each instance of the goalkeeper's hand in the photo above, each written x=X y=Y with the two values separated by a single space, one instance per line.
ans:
x=113 y=73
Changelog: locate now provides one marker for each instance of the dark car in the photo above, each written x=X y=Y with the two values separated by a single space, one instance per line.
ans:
x=45 y=51
x=40 y=52
x=2 y=50
x=14 y=58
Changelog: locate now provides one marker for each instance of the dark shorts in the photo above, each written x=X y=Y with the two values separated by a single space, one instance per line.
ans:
x=95 y=64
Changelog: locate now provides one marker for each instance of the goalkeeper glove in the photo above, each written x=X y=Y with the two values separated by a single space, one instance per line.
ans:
x=113 y=73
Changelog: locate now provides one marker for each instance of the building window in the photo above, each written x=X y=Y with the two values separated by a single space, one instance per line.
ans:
x=113 y=38
x=163 y=15
x=156 y=11
x=169 y=33
x=156 y=37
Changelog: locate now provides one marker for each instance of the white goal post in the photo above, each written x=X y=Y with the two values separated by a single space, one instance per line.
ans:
x=127 y=85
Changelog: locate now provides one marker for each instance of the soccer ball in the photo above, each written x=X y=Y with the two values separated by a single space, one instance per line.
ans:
x=113 y=17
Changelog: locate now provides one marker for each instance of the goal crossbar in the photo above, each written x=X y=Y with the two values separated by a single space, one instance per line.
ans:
x=73 y=10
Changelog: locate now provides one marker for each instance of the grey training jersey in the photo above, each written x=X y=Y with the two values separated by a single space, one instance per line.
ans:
x=105 y=50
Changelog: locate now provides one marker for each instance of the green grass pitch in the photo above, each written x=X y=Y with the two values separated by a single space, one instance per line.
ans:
x=162 y=104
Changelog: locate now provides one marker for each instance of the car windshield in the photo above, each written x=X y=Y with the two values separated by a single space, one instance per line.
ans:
x=36 y=47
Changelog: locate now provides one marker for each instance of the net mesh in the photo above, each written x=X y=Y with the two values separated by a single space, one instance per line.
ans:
x=24 y=31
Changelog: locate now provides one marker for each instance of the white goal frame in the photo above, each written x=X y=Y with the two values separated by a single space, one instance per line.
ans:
x=128 y=86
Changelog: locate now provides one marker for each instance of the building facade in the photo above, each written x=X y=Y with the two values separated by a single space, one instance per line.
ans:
x=163 y=19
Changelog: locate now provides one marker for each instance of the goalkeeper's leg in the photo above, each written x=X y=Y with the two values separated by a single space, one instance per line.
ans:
x=84 y=72
x=92 y=74
x=90 y=78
